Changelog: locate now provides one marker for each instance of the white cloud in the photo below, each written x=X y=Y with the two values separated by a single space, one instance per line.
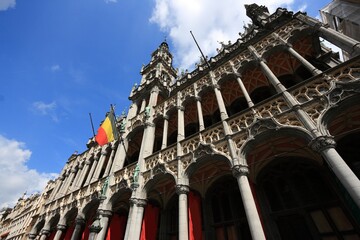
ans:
x=15 y=176
x=55 y=67
x=110 y=1
x=6 y=4
x=211 y=21
x=46 y=109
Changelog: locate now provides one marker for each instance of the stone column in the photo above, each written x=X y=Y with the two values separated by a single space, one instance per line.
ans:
x=111 y=158
x=241 y=172
x=200 y=114
x=300 y=58
x=44 y=234
x=68 y=180
x=59 y=183
x=84 y=172
x=94 y=229
x=165 y=132
x=104 y=223
x=132 y=110
x=242 y=86
x=130 y=218
x=96 y=175
x=325 y=145
x=181 y=127
x=60 y=230
x=339 y=39
x=76 y=178
x=79 y=226
x=182 y=191
x=137 y=216
x=220 y=101
x=120 y=155
x=291 y=101
x=143 y=105
x=93 y=167
x=303 y=61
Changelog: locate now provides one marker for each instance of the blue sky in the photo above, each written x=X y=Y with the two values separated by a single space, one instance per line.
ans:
x=63 y=59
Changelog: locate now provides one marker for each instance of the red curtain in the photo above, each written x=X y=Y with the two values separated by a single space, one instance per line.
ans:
x=69 y=233
x=149 y=225
x=86 y=232
x=195 y=231
x=117 y=227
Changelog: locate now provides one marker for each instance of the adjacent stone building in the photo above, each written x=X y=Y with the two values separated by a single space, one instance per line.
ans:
x=343 y=16
x=258 y=142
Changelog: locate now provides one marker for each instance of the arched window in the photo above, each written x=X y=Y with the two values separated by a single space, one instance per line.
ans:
x=224 y=215
x=301 y=203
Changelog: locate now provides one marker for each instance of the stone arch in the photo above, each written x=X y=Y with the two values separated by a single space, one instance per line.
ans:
x=340 y=116
x=89 y=210
x=71 y=214
x=159 y=130
x=210 y=107
x=172 y=125
x=161 y=186
x=120 y=199
x=294 y=189
x=258 y=151
x=223 y=211
x=191 y=121
x=342 y=121
x=53 y=221
x=204 y=165
x=38 y=226
x=232 y=94
x=135 y=138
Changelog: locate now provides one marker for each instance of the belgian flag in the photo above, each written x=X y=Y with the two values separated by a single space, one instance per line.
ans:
x=107 y=132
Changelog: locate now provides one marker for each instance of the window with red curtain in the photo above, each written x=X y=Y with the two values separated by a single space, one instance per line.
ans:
x=150 y=221
x=69 y=232
x=117 y=227
x=52 y=235
x=86 y=232
x=195 y=227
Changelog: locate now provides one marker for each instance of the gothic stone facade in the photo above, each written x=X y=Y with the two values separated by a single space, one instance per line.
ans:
x=260 y=141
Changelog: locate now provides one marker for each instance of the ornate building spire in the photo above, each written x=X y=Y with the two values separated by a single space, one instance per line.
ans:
x=258 y=14
x=159 y=71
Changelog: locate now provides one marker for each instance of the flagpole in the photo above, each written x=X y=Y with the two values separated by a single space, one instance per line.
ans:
x=112 y=109
x=207 y=63
x=119 y=134
x=92 y=125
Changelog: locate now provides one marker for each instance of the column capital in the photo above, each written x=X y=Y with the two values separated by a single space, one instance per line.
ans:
x=321 y=143
x=198 y=98
x=182 y=189
x=104 y=152
x=149 y=124
x=138 y=202
x=45 y=232
x=181 y=108
x=95 y=226
x=88 y=161
x=80 y=221
x=166 y=117
x=31 y=236
x=105 y=213
x=61 y=227
x=240 y=170
x=216 y=86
